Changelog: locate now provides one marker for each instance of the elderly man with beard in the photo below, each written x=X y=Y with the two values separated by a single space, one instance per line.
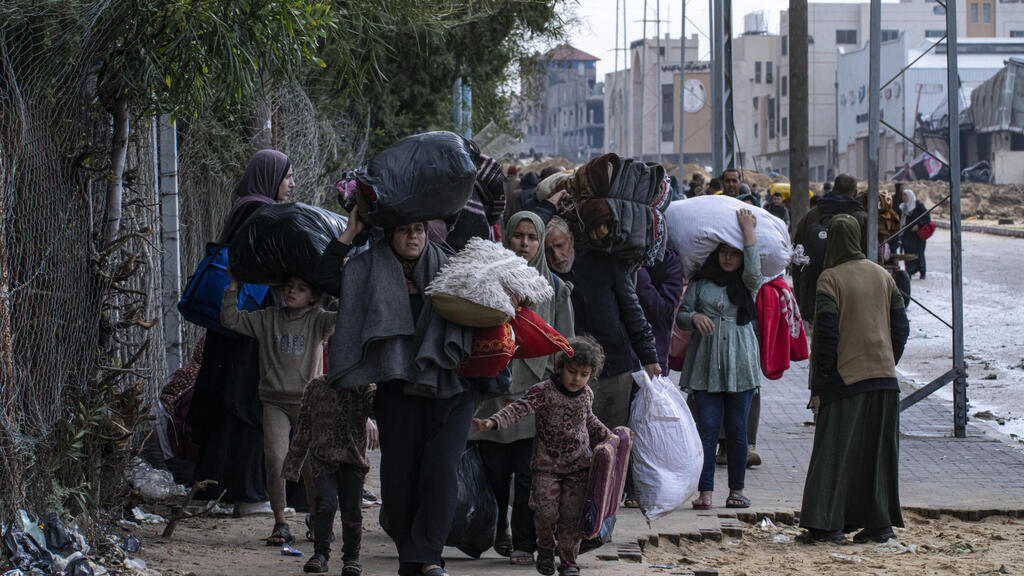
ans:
x=605 y=305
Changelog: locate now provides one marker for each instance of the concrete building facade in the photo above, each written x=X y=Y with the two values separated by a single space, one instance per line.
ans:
x=562 y=106
x=641 y=101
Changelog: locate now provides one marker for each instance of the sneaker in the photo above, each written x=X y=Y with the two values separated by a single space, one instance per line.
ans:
x=253 y=509
x=370 y=499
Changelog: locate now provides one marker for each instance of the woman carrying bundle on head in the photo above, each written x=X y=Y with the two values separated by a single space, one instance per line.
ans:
x=721 y=366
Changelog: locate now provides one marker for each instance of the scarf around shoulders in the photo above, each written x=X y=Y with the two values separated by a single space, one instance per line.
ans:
x=734 y=287
x=377 y=339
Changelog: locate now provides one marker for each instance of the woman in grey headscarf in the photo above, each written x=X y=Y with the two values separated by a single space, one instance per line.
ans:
x=506 y=453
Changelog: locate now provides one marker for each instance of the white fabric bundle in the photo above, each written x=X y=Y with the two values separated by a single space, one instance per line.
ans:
x=697 y=226
x=667 y=452
x=486 y=273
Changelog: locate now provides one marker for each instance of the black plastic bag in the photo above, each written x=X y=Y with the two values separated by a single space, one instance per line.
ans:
x=423 y=177
x=282 y=240
x=476 y=510
x=58 y=537
x=25 y=553
x=79 y=567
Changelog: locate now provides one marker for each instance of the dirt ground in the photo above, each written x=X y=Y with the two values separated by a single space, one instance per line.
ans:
x=942 y=546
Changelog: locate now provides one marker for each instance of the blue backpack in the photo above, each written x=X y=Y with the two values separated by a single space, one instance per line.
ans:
x=200 y=302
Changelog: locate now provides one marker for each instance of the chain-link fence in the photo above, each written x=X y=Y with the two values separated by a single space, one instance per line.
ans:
x=82 y=349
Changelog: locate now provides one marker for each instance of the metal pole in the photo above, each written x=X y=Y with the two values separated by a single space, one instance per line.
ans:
x=956 y=235
x=717 y=88
x=682 y=87
x=457 y=106
x=874 y=112
x=467 y=108
x=658 y=93
x=627 y=109
x=728 y=127
x=170 y=242
x=643 y=85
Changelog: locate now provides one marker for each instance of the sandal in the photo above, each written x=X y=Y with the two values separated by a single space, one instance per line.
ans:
x=281 y=535
x=700 y=504
x=316 y=565
x=737 y=501
x=545 y=561
x=569 y=570
x=352 y=568
x=435 y=571
x=521 y=558
x=631 y=503
x=503 y=544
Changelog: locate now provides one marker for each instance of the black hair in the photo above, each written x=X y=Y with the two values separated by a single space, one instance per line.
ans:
x=586 y=352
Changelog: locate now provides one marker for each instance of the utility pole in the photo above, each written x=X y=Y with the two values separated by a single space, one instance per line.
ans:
x=682 y=87
x=717 y=87
x=798 y=102
x=874 y=113
x=643 y=84
x=657 y=74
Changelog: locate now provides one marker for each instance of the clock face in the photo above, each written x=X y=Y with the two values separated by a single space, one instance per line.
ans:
x=693 y=95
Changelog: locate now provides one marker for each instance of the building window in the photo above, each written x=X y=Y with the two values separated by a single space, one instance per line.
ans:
x=785 y=45
x=785 y=85
x=934 y=33
x=768 y=72
x=890 y=35
x=846 y=36
x=939 y=10
x=1016 y=33
x=755 y=102
x=974 y=13
x=986 y=12
x=1016 y=142
x=755 y=130
x=757 y=72
x=667 y=112
x=771 y=118
x=785 y=127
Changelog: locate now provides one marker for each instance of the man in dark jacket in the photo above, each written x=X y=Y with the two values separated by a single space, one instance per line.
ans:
x=605 y=305
x=810 y=232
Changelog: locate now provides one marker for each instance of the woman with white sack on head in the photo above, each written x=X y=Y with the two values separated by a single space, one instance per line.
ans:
x=721 y=367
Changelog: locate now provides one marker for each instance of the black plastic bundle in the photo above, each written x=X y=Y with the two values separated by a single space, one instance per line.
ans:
x=476 y=510
x=423 y=177
x=282 y=240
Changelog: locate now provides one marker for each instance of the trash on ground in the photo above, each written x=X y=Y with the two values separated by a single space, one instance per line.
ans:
x=144 y=517
x=892 y=546
x=767 y=525
x=846 y=559
x=153 y=484
x=287 y=550
x=782 y=539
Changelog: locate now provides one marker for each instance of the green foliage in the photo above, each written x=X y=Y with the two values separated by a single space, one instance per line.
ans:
x=410 y=61
x=177 y=55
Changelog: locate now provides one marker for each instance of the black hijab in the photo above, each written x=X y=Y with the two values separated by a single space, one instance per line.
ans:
x=734 y=287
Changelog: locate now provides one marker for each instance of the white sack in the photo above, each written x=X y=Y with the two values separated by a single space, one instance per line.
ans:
x=696 y=226
x=667 y=452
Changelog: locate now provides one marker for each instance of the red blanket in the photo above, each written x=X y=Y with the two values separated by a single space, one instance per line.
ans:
x=782 y=336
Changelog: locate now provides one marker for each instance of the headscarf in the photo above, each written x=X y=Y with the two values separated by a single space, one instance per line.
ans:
x=843 y=241
x=734 y=287
x=907 y=207
x=258 y=185
x=546 y=310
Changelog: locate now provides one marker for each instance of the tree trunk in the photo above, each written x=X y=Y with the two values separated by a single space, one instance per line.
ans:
x=799 y=176
x=115 y=182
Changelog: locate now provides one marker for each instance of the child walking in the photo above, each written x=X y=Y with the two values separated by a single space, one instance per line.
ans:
x=291 y=340
x=566 y=429
x=333 y=430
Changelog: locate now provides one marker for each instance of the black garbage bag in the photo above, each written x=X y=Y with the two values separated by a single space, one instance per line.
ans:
x=476 y=510
x=423 y=177
x=58 y=537
x=24 y=553
x=607 y=527
x=282 y=240
x=79 y=567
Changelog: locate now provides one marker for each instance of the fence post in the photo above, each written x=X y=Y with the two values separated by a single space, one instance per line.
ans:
x=170 y=243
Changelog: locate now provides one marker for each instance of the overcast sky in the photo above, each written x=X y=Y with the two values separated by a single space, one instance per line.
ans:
x=596 y=31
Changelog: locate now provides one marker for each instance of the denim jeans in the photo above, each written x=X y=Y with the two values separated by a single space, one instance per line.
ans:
x=712 y=411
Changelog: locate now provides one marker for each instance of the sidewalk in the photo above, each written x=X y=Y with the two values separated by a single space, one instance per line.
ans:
x=970 y=478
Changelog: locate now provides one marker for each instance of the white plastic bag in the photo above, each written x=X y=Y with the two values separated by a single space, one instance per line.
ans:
x=667 y=452
x=696 y=226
